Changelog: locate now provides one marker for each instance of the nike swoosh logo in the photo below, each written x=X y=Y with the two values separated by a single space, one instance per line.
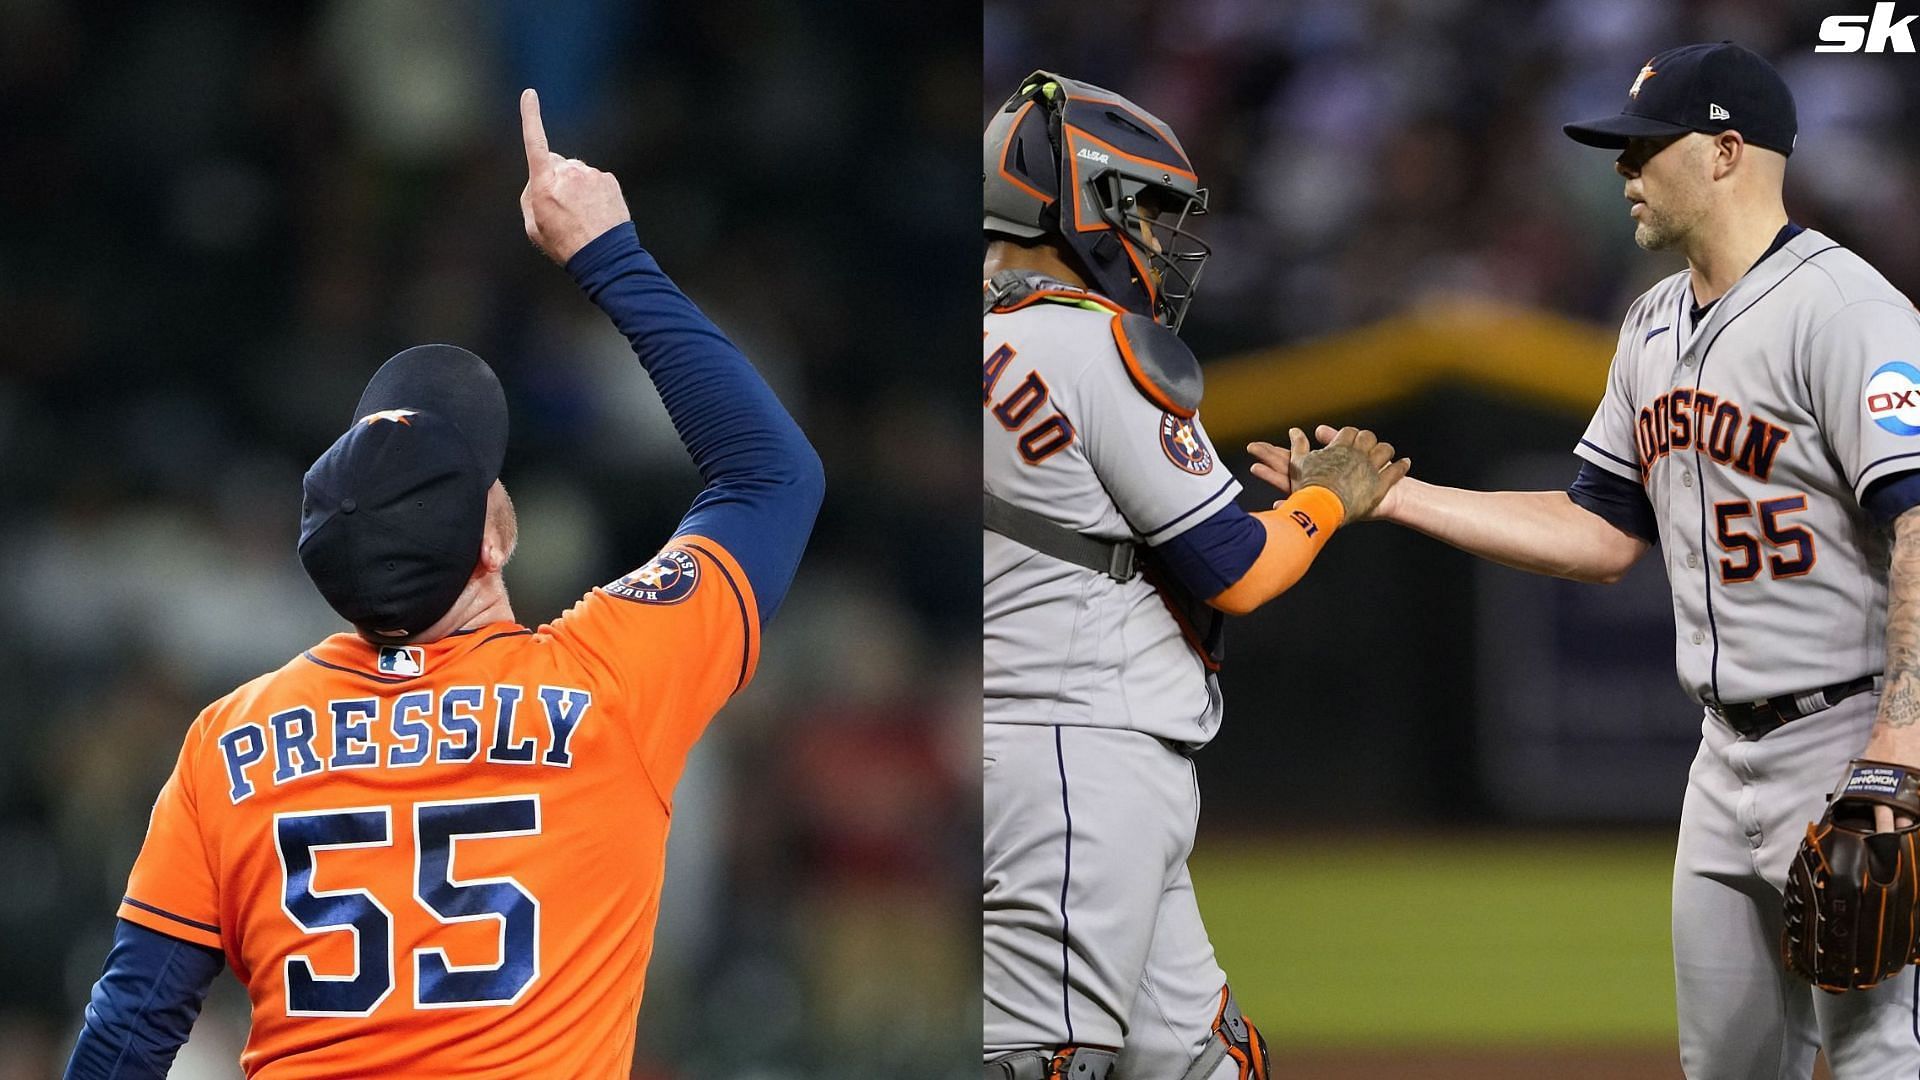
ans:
x=1655 y=332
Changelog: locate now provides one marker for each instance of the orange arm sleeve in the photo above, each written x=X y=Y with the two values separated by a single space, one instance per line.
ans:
x=1296 y=531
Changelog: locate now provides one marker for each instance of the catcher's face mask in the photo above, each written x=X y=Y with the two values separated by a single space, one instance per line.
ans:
x=1107 y=180
x=1153 y=221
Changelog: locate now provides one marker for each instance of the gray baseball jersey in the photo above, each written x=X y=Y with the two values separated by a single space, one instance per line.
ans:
x=1755 y=433
x=1068 y=435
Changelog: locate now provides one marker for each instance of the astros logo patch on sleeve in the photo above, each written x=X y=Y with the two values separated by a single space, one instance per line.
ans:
x=668 y=579
x=1893 y=397
x=1184 y=446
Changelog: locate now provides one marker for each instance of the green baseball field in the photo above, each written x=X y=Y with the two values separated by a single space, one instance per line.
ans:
x=1489 y=955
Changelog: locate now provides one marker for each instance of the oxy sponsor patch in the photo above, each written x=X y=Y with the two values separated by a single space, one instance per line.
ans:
x=1892 y=397
x=668 y=579
x=1184 y=446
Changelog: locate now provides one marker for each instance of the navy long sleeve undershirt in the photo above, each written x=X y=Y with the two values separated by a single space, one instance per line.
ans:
x=1622 y=502
x=143 y=1006
x=764 y=480
x=1210 y=557
x=1890 y=496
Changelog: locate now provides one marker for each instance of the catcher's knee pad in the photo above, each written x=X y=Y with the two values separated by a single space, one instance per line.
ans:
x=1066 y=1063
x=1235 y=1038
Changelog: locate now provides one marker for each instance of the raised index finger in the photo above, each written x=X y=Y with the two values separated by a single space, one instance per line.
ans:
x=533 y=133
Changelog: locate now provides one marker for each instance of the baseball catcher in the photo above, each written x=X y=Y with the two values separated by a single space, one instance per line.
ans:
x=1113 y=550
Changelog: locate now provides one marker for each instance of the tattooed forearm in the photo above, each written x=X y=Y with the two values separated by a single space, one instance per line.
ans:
x=1900 y=705
x=1900 y=700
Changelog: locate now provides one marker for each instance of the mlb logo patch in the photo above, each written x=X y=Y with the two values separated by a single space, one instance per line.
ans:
x=403 y=660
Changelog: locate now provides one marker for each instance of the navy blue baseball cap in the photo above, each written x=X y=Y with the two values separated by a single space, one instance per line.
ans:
x=1708 y=88
x=393 y=514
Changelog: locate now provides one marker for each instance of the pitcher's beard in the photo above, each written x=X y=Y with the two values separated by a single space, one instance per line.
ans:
x=1654 y=231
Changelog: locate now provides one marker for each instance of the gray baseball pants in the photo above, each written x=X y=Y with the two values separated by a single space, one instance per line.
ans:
x=1092 y=936
x=1742 y=1015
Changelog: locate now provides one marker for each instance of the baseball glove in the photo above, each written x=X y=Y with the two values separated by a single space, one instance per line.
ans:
x=1852 y=891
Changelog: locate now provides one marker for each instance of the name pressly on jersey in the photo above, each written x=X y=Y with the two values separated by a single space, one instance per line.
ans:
x=1688 y=418
x=441 y=726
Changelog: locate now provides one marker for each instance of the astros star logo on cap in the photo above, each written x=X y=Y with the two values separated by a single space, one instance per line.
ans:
x=398 y=416
x=1646 y=73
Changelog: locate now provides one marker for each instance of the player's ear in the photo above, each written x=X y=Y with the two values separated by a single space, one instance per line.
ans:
x=493 y=556
x=1727 y=151
x=502 y=532
x=496 y=549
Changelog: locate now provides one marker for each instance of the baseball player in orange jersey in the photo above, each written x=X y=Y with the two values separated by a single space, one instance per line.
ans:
x=433 y=847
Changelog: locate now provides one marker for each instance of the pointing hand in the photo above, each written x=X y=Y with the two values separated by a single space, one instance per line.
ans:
x=566 y=203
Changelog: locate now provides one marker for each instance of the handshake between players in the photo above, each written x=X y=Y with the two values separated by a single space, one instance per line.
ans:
x=1352 y=462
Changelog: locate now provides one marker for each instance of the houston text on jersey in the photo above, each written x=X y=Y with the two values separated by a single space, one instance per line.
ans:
x=1685 y=418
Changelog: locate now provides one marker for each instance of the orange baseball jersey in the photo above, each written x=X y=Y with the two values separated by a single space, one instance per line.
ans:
x=444 y=860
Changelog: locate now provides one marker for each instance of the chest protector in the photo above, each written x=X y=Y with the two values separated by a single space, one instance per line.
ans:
x=1164 y=370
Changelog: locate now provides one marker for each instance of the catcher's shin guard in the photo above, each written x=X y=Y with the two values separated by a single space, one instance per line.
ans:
x=1066 y=1063
x=1235 y=1037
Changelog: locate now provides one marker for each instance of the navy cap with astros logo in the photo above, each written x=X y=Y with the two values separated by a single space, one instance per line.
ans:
x=393 y=514
x=1707 y=88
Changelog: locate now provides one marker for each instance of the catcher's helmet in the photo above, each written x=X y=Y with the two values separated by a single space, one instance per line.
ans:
x=1105 y=178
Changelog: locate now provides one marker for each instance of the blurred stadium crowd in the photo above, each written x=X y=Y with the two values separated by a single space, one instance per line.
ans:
x=1369 y=159
x=1365 y=156
x=220 y=218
